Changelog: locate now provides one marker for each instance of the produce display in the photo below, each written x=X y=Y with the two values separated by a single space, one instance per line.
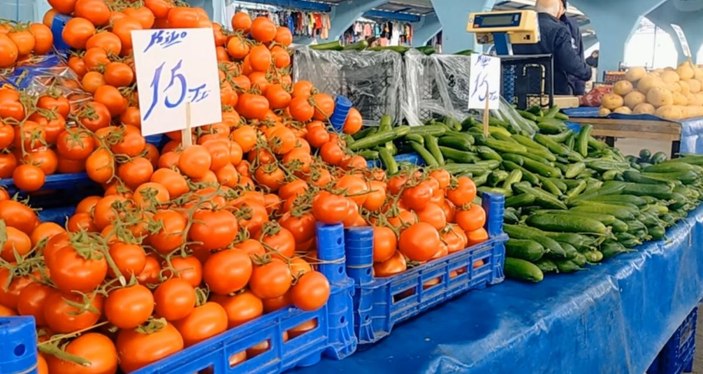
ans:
x=186 y=243
x=571 y=199
x=672 y=94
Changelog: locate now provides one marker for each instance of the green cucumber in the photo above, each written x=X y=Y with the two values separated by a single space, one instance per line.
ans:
x=434 y=130
x=554 y=147
x=464 y=143
x=379 y=138
x=365 y=132
x=424 y=154
x=542 y=197
x=522 y=270
x=432 y=145
x=487 y=153
x=505 y=146
x=520 y=200
x=579 y=241
x=551 y=246
x=574 y=192
x=567 y=266
x=574 y=169
x=388 y=161
x=551 y=126
x=369 y=154
x=566 y=223
x=515 y=176
x=456 y=155
x=547 y=265
x=582 y=140
x=330 y=46
x=550 y=186
x=593 y=256
x=610 y=249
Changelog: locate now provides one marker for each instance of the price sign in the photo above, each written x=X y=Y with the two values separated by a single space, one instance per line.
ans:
x=682 y=39
x=484 y=82
x=178 y=81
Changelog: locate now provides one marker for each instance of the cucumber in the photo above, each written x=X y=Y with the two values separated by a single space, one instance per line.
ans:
x=515 y=176
x=542 y=197
x=579 y=259
x=657 y=232
x=379 y=138
x=582 y=140
x=495 y=190
x=579 y=241
x=331 y=46
x=551 y=246
x=534 y=147
x=527 y=115
x=520 y=200
x=522 y=270
x=424 y=154
x=434 y=130
x=505 y=146
x=524 y=249
x=611 y=249
x=560 y=184
x=369 y=154
x=671 y=167
x=554 y=147
x=497 y=177
x=565 y=223
x=567 y=266
x=550 y=186
x=560 y=138
x=358 y=46
x=577 y=190
x=618 y=211
x=415 y=138
x=388 y=161
x=364 y=133
x=432 y=145
x=487 y=153
x=456 y=155
x=547 y=265
x=593 y=256
x=540 y=168
x=464 y=142
x=551 y=126
x=574 y=169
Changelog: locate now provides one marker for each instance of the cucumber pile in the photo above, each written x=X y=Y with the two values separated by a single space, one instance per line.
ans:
x=571 y=200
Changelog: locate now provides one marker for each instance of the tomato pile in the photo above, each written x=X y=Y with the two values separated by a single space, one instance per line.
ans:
x=187 y=242
x=19 y=41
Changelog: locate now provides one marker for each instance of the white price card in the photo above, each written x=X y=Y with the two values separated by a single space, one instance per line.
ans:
x=176 y=67
x=682 y=39
x=484 y=82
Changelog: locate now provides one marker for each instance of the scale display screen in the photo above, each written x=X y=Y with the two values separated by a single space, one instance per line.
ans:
x=497 y=20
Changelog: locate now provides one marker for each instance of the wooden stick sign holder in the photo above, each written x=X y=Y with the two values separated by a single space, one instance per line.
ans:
x=486 y=112
x=187 y=133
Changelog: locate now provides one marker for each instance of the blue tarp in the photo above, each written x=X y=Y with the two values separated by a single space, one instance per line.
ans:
x=691 y=129
x=611 y=318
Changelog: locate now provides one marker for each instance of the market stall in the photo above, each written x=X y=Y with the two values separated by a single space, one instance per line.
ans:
x=613 y=318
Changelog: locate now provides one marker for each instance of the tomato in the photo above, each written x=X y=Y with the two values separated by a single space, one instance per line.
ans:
x=7 y=135
x=181 y=17
x=245 y=136
x=241 y=308
x=252 y=106
x=77 y=65
x=175 y=299
x=135 y=172
x=132 y=142
x=419 y=241
x=77 y=31
x=227 y=271
x=195 y=161
x=29 y=177
x=43 y=232
x=270 y=176
x=123 y=28
x=263 y=30
x=354 y=122
x=129 y=307
x=31 y=135
x=8 y=163
x=477 y=236
x=63 y=6
x=384 y=243
x=301 y=109
x=8 y=52
x=73 y=271
x=111 y=97
x=353 y=186
x=464 y=192
x=93 y=80
x=442 y=177
x=395 y=265
x=434 y=215
x=160 y=8
x=94 y=116
x=174 y=182
x=213 y=229
x=96 y=11
x=152 y=271
x=118 y=74
x=142 y=14
x=63 y=317
x=417 y=197
x=329 y=208
x=472 y=218
x=311 y=292
x=324 y=106
x=187 y=268
x=130 y=259
x=278 y=240
x=31 y=301
x=81 y=222
x=454 y=238
x=260 y=58
x=284 y=36
x=18 y=215
x=332 y=153
x=96 y=348
x=137 y=349
x=171 y=232
x=241 y=22
x=14 y=243
x=301 y=226
x=278 y=96
x=204 y=322
x=271 y=280
x=107 y=41
x=100 y=166
x=75 y=144
x=24 y=40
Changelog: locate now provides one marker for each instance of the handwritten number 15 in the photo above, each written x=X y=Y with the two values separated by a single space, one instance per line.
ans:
x=176 y=77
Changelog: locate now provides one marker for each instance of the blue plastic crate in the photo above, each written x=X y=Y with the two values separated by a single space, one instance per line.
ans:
x=56 y=215
x=410 y=158
x=380 y=303
x=333 y=337
x=677 y=355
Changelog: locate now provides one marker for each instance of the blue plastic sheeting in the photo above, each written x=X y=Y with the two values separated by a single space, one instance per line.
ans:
x=612 y=318
x=691 y=129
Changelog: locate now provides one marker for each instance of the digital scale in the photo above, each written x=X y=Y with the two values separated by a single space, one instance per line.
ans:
x=504 y=28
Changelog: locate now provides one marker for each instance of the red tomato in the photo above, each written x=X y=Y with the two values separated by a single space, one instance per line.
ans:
x=227 y=271
x=202 y=323
x=137 y=349
x=311 y=292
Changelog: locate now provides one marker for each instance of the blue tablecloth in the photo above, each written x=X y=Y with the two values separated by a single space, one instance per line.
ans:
x=612 y=318
x=691 y=129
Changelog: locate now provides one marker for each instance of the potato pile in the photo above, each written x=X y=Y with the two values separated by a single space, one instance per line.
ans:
x=669 y=93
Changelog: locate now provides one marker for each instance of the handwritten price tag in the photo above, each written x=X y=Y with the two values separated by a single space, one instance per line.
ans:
x=176 y=67
x=484 y=82
x=682 y=39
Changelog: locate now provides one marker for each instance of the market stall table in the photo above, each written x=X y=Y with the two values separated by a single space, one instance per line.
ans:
x=686 y=136
x=611 y=318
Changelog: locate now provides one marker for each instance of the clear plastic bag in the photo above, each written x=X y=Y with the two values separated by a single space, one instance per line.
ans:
x=373 y=81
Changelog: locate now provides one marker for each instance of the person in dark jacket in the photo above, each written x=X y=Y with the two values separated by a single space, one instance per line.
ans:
x=592 y=60
x=556 y=40
x=578 y=86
